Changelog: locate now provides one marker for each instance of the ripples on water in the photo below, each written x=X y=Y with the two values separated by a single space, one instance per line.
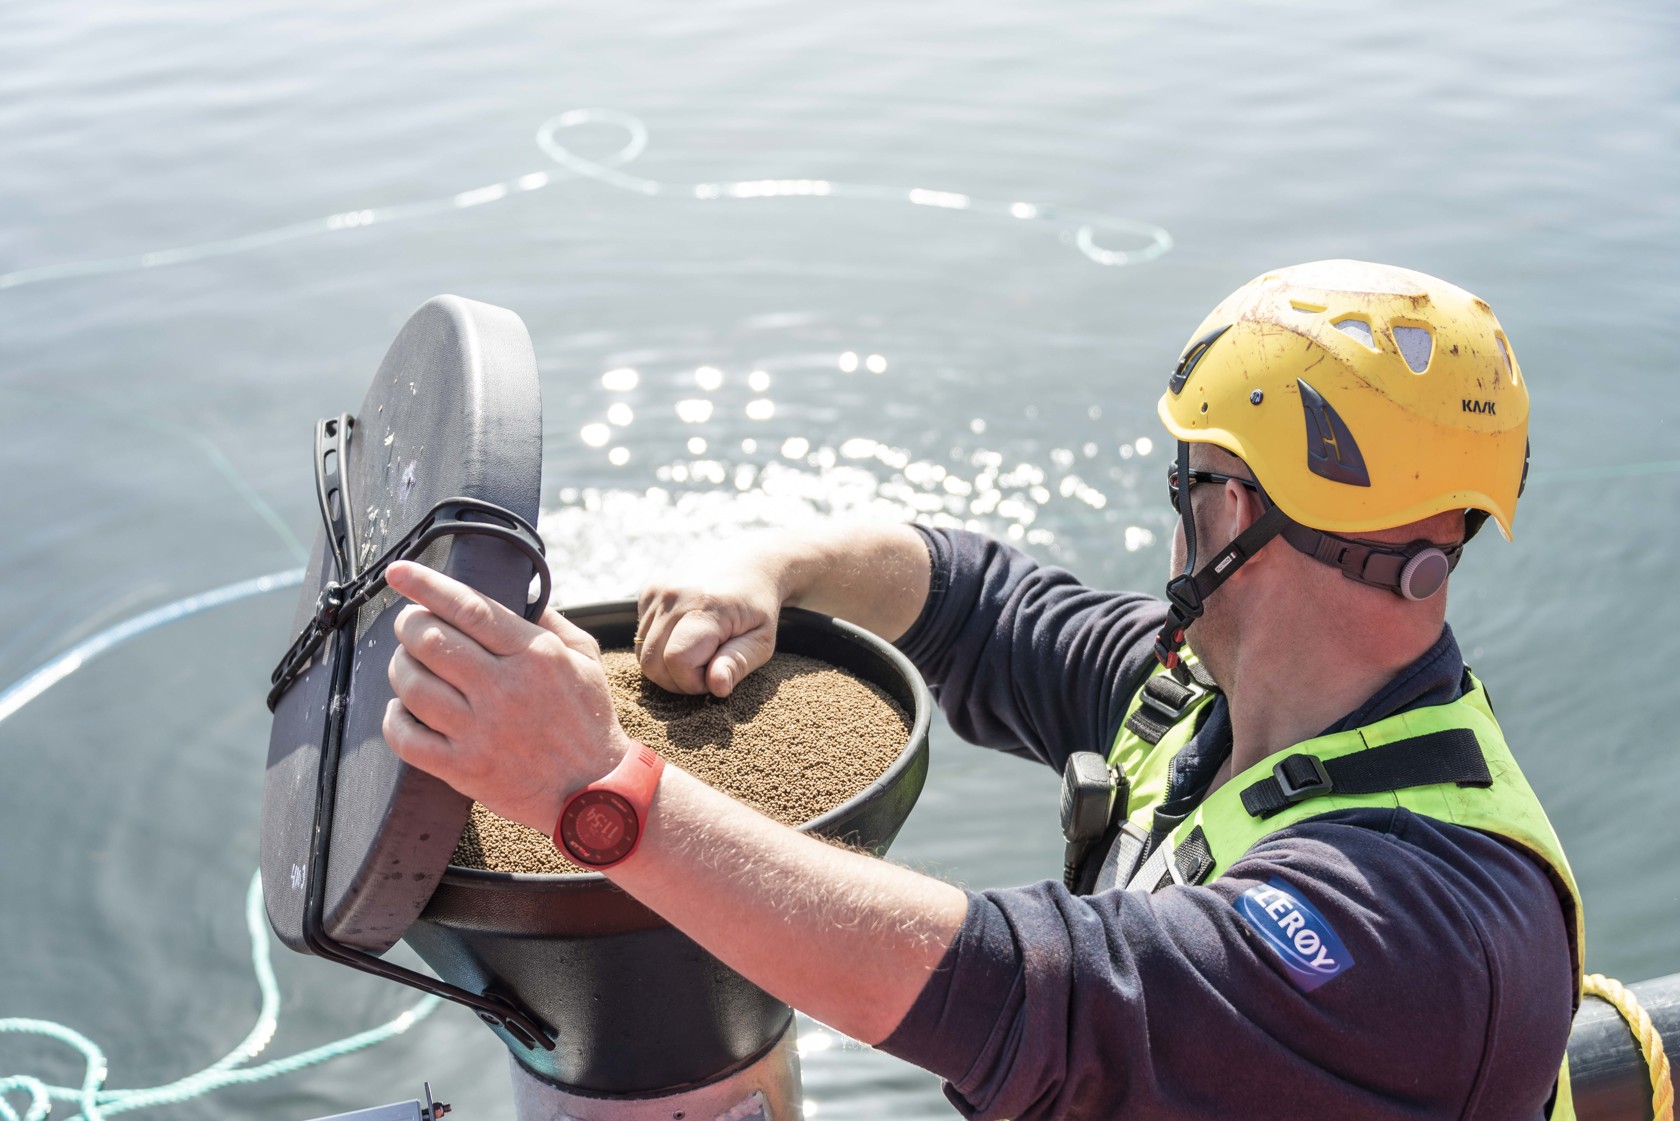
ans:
x=1082 y=230
x=745 y=325
x=605 y=540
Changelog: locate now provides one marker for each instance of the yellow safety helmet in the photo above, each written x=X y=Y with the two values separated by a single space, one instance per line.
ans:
x=1363 y=396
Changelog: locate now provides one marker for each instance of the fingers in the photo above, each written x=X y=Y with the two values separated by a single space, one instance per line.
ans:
x=471 y=612
x=654 y=630
x=737 y=658
x=709 y=632
x=415 y=743
x=703 y=650
x=575 y=637
x=429 y=698
x=677 y=650
x=443 y=649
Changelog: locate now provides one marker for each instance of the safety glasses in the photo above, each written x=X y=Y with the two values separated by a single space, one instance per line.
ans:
x=1202 y=477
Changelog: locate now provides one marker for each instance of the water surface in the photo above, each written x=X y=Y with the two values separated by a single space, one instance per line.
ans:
x=154 y=421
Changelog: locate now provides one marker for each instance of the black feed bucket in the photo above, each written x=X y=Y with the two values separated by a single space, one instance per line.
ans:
x=638 y=1007
x=592 y=991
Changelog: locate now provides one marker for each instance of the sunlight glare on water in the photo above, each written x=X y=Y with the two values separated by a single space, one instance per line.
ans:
x=607 y=540
x=779 y=264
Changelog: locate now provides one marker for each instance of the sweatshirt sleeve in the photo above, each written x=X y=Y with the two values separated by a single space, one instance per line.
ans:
x=1021 y=656
x=1433 y=981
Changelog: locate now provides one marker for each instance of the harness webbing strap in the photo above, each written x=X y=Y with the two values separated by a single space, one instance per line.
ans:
x=1450 y=755
x=1147 y=726
x=1121 y=862
x=1163 y=701
x=1157 y=871
x=1166 y=697
x=1193 y=858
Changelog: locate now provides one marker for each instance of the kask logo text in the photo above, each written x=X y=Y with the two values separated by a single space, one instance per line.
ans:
x=1310 y=950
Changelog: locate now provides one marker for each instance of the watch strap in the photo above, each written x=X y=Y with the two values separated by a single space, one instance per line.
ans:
x=602 y=824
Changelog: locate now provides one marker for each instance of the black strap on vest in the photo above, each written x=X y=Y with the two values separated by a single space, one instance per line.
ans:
x=1194 y=858
x=1450 y=755
x=1166 y=698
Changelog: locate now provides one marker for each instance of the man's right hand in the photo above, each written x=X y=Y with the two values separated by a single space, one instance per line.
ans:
x=707 y=624
x=711 y=620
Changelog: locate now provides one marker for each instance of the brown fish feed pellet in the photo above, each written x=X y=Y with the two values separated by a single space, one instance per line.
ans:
x=795 y=739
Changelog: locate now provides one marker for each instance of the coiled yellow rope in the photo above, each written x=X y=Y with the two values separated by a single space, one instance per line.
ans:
x=1645 y=1033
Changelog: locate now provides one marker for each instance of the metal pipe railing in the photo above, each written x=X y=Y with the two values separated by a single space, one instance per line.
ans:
x=1607 y=1070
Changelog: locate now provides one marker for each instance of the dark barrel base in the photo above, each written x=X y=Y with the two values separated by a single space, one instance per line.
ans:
x=636 y=1013
x=767 y=1089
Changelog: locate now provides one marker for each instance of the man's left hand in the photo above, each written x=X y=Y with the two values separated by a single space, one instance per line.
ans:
x=513 y=714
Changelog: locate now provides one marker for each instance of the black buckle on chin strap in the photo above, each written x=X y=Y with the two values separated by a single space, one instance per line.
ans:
x=1183 y=593
x=1166 y=646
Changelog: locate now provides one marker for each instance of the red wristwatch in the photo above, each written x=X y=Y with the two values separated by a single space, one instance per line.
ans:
x=601 y=825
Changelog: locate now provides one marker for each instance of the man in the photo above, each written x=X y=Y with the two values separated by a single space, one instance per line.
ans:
x=1319 y=887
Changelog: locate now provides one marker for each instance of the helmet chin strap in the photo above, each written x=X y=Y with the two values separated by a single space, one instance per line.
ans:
x=1188 y=591
x=1415 y=572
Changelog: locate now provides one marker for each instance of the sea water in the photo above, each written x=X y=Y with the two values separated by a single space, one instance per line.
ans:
x=900 y=261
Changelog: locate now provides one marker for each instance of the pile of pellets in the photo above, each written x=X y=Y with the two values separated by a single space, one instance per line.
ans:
x=795 y=739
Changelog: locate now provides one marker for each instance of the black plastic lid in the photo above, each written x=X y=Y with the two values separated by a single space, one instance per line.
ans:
x=455 y=411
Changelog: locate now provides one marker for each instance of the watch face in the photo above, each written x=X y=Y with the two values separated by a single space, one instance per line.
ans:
x=599 y=827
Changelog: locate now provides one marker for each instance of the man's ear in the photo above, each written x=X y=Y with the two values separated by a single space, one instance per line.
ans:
x=1240 y=508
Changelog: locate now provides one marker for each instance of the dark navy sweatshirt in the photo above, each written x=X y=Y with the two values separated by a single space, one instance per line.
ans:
x=1453 y=995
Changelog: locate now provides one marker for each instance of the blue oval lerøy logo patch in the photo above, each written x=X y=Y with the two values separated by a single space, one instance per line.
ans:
x=1311 y=952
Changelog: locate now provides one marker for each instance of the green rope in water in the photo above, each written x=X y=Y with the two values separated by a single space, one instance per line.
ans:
x=97 y=1103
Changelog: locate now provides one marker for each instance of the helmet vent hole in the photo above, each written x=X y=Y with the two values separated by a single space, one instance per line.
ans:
x=1415 y=344
x=1357 y=329
x=1505 y=352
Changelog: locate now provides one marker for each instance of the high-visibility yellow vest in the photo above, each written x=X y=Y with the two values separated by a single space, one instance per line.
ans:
x=1296 y=785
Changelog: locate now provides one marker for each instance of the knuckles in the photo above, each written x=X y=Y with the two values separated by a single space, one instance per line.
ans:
x=656 y=600
x=547 y=646
x=477 y=618
x=396 y=670
x=432 y=640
